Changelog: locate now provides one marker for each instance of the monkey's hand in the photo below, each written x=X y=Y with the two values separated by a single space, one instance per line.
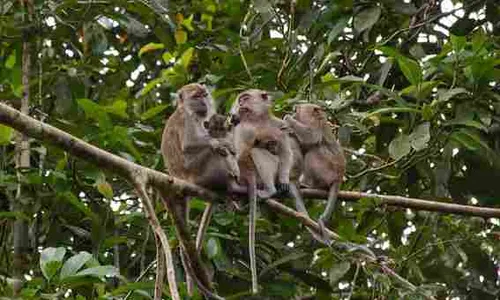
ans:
x=283 y=188
x=218 y=147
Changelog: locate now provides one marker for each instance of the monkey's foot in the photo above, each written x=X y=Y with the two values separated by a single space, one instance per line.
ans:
x=325 y=238
x=265 y=194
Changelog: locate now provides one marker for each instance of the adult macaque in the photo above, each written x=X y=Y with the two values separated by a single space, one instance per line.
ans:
x=266 y=169
x=324 y=161
x=190 y=153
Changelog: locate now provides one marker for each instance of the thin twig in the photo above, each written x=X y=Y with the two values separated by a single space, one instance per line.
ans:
x=139 y=278
x=168 y=261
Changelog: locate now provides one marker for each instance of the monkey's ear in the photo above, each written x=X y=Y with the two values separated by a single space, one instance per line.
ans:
x=180 y=97
x=205 y=124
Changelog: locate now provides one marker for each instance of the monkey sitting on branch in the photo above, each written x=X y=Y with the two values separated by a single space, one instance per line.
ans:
x=265 y=157
x=324 y=161
x=190 y=153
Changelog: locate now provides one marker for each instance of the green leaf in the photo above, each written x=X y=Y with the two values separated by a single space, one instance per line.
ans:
x=463 y=27
x=95 y=111
x=150 y=47
x=212 y=248
x=337 y=29
x=51 y=260
x=167 y=57
x=186 y=57
x=400 y=146
x=132 y=286
x=284 y=260
x=458 y=42
x=338 y=271
x=446 y=95
x=118 y=108
x=100 y=272
x=411 y=69
x=366 y=18
x=5 y=135
x=468 y=123
x=391 y=110
x=420 y=136
x=79 y=205
x=74 y=263
x=180 y=36
x=153 y=111
x=105 y=189
x=11 y=60
x=151 y=85
x=13 y=215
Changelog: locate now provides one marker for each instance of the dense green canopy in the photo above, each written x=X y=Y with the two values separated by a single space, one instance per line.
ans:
x=413 y=88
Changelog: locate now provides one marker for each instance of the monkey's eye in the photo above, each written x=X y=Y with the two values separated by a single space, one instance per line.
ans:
x=242 y=99
x=264 y=96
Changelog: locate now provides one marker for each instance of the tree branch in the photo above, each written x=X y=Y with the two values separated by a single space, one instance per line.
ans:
x=177 y=187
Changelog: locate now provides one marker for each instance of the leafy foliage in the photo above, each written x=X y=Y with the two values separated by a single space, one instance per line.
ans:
x=412 y=87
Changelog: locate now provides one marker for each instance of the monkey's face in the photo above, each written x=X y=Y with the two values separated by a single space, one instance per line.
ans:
x=217 y=126
x=252 y=103
x=309 y=114
x=195 y=99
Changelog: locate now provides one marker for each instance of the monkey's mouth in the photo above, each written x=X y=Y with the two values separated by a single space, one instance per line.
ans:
x=244 y=110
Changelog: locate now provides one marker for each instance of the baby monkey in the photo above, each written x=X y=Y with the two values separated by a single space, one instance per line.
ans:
x=219 y=128
x=324 y=161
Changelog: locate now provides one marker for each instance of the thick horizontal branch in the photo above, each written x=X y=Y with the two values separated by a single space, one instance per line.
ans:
x=84 y=150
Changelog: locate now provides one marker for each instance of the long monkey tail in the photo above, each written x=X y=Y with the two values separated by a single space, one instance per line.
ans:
x=300 y=206
x=252 y=201
x=202 y=229
x=330 y=205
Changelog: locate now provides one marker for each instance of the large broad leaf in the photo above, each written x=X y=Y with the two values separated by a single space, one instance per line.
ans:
x=100 y=272
x=51 y=260
x=337 y=29
x=74 y=263
x=338 y=271
x=118 y=108
x=411 y=69
x=5 y=135
x=445 y=95
x=420 y=136
x=463 y=27
x=400 y=146
x=153 y=111
x=95 y=112
x=366 y=18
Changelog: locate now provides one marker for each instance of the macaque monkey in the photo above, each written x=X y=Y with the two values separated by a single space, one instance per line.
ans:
x=264 y=154
x=222 y=168
x=324 y=161
x=190 y=153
